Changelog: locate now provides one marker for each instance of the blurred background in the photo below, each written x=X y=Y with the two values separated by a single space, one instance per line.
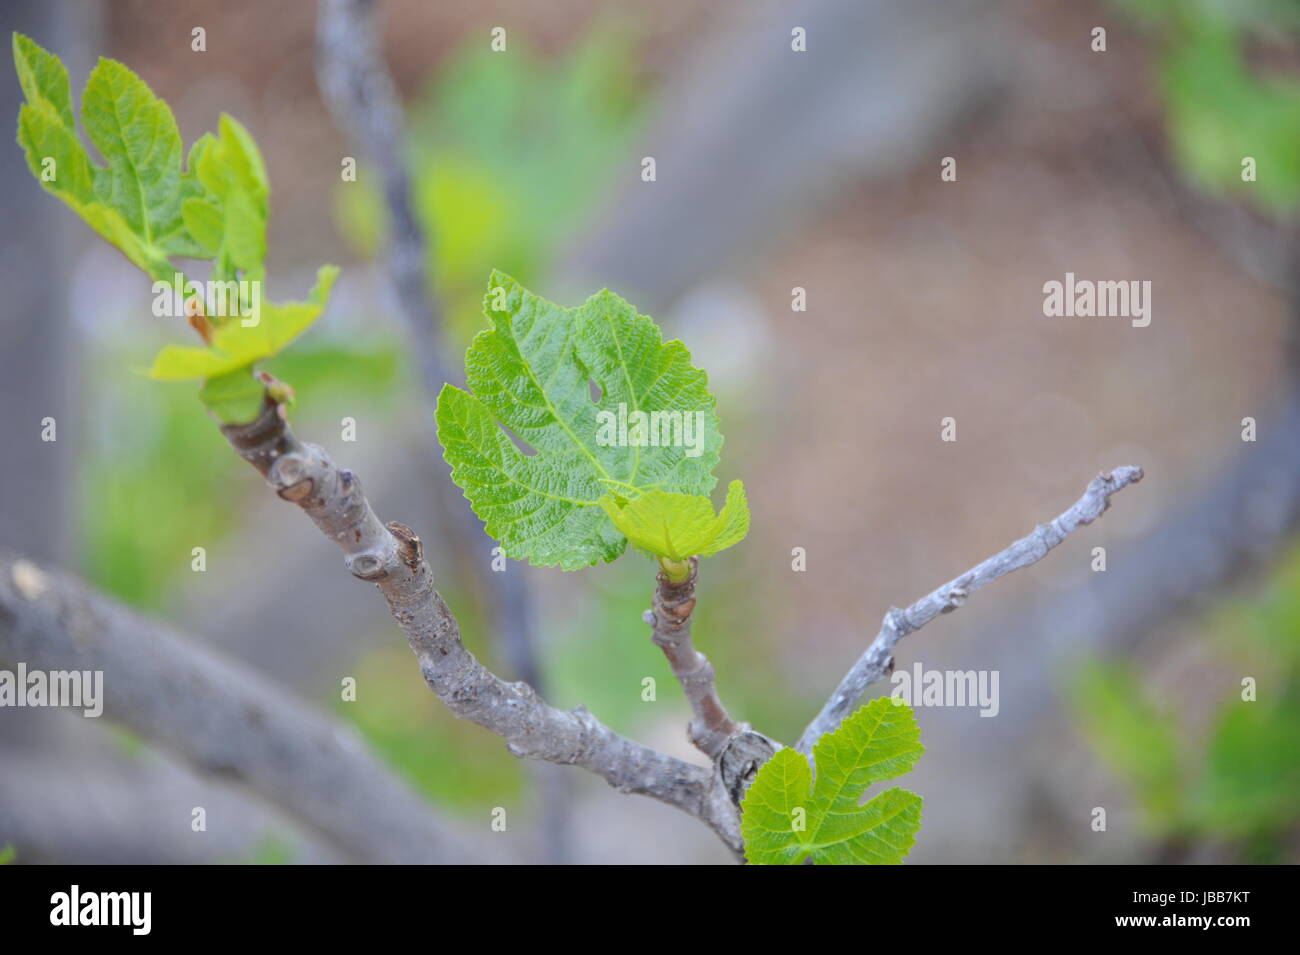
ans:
x=775 y=170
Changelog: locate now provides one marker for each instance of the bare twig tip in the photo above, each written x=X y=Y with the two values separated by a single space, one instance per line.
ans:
x=876 y=662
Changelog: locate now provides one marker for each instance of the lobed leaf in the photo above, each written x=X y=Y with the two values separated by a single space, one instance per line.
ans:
x=235 y=346
x=152 y=209
x=531 y=373
x=679 y=526
x=48 y=135
x=788 y=817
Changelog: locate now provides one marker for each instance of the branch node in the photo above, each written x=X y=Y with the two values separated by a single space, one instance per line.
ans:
x=744 y=752
x=367 y=566
x=298 y=493
x=409 y=546
x=896 y=620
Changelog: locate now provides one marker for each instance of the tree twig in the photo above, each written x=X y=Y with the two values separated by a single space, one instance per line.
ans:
x=878 y=660
x=1233 y=523
x=670 y=620
x=392 y=557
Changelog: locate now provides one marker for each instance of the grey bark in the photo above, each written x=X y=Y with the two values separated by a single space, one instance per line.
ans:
x=391 y=556
x=878 y=659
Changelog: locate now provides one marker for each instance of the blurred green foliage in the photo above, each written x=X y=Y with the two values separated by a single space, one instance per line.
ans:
x=604 y=653
x=141 y=513
x=1241 y=784
x=1222 y=108
x=508 y=155
x=456 y=763
x=270 y=850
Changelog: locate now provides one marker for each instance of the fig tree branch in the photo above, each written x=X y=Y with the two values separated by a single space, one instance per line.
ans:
x=878 y=660
x=670 y=620
x=391 y=557
x=363 y=99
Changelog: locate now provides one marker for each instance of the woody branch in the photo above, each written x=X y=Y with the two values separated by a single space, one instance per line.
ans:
x=391 y=556
x=878 y=660
x=670 y=619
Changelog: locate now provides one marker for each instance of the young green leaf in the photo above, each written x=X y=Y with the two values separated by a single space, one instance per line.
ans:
x=680 y=526
x=236 y=346
x=230 y=219
x=653 y=427
x=788 y=817
x=137 y=135
x=135 y=203
x=143 y=202
x=234 y=397
x=48 y=134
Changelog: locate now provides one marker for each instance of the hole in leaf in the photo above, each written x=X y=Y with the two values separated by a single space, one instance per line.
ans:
x=596 y=392
x=524 y=447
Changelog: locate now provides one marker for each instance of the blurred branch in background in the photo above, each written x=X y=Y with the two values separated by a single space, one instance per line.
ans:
x=755 y=135
x=1242 y=518
x=1234 y=795
x=35 y=338
x=83 y=808
x=1234 y=523
x=223 y=719
x=361 y=95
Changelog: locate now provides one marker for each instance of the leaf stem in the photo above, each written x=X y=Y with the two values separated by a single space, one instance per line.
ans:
x=674 y=603
x=677 y=571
